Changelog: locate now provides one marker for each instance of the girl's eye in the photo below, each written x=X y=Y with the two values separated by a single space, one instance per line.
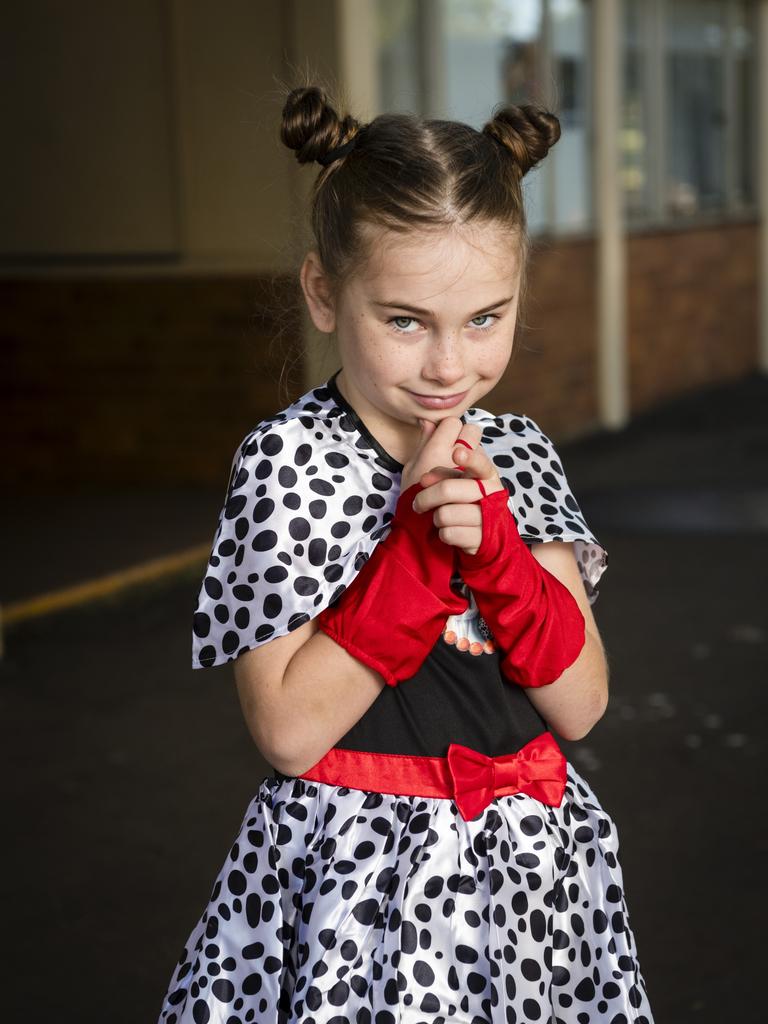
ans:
x=491 y=317
x=486 y=316
x=408 y=319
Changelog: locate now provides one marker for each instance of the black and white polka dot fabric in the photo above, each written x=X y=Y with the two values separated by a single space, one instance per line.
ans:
x=338 y=905
x=341 y=906
x=310 y=494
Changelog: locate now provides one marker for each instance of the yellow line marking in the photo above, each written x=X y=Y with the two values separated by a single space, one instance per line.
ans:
x=53 y=600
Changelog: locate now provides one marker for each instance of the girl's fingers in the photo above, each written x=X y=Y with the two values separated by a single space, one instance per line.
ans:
x=432 y=476
x=470 y=461
x=434 y=496
x=473 y=460
x=427 y=430
x=467 y=444
x=459 y=517
x=459 y=536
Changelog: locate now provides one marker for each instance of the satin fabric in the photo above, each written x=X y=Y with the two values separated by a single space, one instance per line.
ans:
x=344 y=905
x=468 y=776
x=310 y=495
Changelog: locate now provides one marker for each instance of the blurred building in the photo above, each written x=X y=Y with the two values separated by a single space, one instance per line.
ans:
x=152 y=222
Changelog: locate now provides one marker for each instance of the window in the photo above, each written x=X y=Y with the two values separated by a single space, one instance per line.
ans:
x=689 y=95
x=399 y=57
x=474 y=54
x=689 y=117
x=637 y=136
x=695 y=111
x=743 y=27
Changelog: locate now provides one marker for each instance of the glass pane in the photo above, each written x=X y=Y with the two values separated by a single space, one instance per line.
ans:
x=695 y=114
x=571 y=156
x=634 y=140
x=493 y=54
x=398 y=56
x=743 y=47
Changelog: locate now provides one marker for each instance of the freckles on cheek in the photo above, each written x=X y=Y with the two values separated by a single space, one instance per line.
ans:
x=498 y=359
x=372 y=353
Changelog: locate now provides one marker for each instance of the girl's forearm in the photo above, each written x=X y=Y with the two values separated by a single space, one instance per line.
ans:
x=577 y=699
x=325 y=692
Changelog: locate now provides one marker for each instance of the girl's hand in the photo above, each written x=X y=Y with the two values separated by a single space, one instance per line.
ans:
x=453 y=493
x=434 y=448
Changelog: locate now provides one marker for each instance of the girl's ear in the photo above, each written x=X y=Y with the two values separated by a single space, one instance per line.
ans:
x=318 y=293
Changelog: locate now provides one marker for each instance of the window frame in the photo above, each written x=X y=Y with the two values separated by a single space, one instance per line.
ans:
x=653 y=15
x=654 y=21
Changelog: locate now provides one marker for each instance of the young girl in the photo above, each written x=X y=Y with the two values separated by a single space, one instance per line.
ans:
x=405 y=635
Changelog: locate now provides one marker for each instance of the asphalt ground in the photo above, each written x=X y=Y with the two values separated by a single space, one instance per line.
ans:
x=127 y=774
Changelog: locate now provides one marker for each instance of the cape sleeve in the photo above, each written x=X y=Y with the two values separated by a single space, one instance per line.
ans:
x=301 y=516
x=541 y=499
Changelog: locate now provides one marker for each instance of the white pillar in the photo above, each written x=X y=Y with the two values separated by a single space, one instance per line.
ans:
x=333 y=40
x=430 y=18
x=358 y=64
x=613 y=383
x=762 y=183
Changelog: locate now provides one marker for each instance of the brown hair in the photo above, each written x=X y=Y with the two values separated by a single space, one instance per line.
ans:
x=407 y=171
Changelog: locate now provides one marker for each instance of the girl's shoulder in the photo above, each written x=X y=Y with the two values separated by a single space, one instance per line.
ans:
x=501 y=428
x=321 y=436
x=309 y=496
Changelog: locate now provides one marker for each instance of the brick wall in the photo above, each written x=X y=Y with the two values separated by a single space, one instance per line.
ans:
x=135 y=381
x=693 y=310
x=155 y=380
x=692 y=321
x=551 y=375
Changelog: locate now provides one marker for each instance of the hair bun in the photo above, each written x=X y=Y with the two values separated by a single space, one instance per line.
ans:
x=311 y=126
x=528 y=132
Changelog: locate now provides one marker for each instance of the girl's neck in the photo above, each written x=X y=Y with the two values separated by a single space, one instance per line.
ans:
x=397 y=438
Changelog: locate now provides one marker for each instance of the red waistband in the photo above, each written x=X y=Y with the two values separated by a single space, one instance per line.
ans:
x=470 y=778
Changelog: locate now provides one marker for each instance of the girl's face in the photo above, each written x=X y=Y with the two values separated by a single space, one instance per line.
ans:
x=430 y=313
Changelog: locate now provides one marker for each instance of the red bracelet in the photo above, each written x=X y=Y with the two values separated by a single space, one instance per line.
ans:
x=461 y=440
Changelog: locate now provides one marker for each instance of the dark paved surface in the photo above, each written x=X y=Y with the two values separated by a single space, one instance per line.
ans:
x=127 y=774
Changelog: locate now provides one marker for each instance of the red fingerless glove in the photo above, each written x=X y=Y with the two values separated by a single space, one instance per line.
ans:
x=394 y=611
x=534 y=618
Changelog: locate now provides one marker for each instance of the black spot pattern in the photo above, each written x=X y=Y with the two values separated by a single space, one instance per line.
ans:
x=345 y=906
x=311 y=493
x=342 y=906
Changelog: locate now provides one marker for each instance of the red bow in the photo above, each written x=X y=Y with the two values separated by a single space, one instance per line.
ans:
x=539 y=769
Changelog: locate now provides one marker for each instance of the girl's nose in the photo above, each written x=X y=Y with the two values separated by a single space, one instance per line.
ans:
x=446 y=359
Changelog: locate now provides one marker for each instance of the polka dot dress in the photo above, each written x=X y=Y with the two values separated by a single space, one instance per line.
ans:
x=342 y=906
x=338 y=905
x=311 y=492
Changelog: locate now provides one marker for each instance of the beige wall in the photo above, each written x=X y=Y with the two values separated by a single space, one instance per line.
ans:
x=149 y=131
x=88 y=162
x=235 y=173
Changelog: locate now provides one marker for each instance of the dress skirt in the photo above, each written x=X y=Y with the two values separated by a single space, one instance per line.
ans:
x=350 y=906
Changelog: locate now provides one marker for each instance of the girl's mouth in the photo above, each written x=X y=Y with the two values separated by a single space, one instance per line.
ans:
x=439 y=402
